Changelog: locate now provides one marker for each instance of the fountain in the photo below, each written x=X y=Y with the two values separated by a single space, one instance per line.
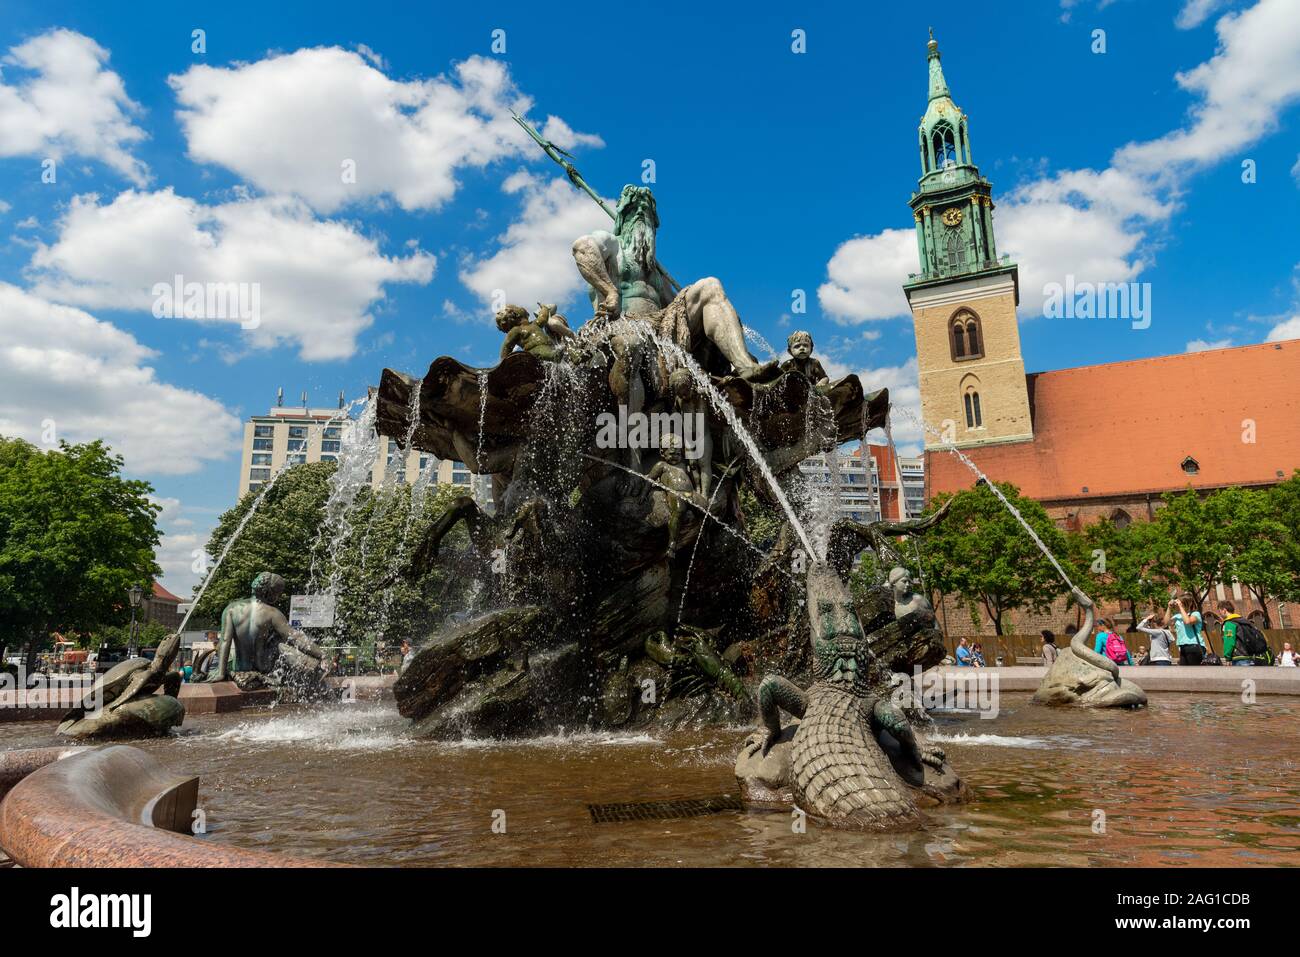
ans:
x=620 y=587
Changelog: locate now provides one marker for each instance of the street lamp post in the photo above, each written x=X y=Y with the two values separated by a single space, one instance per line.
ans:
x=135 y=594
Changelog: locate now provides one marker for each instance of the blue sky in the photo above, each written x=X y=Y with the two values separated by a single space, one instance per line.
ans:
x=775 y=171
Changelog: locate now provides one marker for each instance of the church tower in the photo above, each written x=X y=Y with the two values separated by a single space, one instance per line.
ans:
x=964 y=299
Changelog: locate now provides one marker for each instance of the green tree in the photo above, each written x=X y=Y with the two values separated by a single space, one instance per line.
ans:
x=1286 y=509
x=148 y=634
x=74 y=537
x=287 y=535
x=1256 y=540
x=278 y=538
x=983 y=554
x=1121 y=565
x=1192 y=544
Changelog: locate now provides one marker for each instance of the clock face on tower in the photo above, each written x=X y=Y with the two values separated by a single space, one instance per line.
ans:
x=952 y=216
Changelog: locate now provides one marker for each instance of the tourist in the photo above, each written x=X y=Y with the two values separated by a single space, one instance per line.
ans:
x=1049 y=647
x=1188 y=629
x=1233 y=652
x=1110 y=643
x=1142 y=658
x=977 y=656
x=1243 y=643
x=1288 y=657
x=407 y=654
x=1153 y=626
x=963 y=654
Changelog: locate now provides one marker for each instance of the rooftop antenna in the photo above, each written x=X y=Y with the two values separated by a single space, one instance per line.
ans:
x=279 y=397
x=304 y=400
x=341 y=403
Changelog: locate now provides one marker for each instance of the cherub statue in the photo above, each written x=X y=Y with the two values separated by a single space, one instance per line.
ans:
x=554 y=323
x=670 y=473
x=537 y=338
x=800 y=345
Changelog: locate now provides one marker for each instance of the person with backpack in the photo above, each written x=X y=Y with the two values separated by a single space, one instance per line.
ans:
x=1111 y=643
x=1243 y=643
x=1187 y=630
x=1153 y=626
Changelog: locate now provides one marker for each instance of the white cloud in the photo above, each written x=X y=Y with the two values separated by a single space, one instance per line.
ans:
x=1295 y=170
x=1096 y=225
x=316 y=279
x=534 y=261
x=865 y=276
x=904 y=397
x=1196 y=12
x=1286 y=329
x=1201 y=345
x=66 y=103
x=180 y=537
x=1243 y=90
x=567 y=138
x=62 y=368
x=288 y=123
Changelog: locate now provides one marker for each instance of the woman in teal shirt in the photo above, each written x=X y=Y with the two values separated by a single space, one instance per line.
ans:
x=1188 y=630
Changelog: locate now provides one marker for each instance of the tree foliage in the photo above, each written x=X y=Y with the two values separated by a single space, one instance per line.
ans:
x=1121 y=565
x=983 y=554
x=74 y=537
x=359 y=556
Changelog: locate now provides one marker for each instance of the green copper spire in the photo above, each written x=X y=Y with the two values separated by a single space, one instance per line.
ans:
x=953 y=204
x=938 y=85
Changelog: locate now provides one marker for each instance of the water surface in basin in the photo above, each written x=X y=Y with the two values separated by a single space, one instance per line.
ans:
x=1193 y=780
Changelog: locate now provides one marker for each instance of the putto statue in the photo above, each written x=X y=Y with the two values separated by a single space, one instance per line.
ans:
x=258 y=648
x=800 y=345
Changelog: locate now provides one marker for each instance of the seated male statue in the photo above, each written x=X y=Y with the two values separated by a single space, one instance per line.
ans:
x=625 y=279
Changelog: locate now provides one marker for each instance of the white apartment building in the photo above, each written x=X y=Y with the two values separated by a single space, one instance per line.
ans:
x=869 y=489
x=292 y=436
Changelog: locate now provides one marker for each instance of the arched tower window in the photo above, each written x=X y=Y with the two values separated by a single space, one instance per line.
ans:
x=945 y=146
x=956 y=249
x=974 y=418
x=970 y=398
x=965 y=335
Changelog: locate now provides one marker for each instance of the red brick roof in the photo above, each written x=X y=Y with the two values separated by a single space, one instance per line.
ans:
x=162 y=594
x=1126 y=427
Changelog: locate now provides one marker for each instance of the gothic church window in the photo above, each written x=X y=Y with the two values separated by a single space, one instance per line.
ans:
x=965 y=336
x=974 y=420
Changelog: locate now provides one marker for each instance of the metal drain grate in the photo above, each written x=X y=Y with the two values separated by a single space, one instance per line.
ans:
x=663 y=810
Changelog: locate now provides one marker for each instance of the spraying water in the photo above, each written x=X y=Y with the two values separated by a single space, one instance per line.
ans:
x=756 y=337
x=724 y=409
x=239 y=529
x=482 y=416
x=949 y=447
